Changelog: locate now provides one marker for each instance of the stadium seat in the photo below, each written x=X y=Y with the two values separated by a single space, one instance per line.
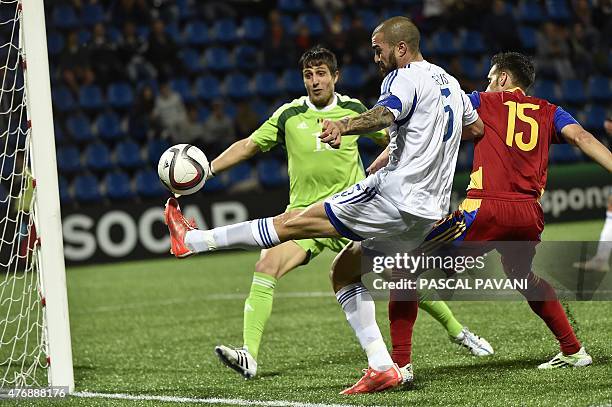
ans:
x=314 y=22
x=62 y=99
x=472 y=43
x=86 y=189
x=291 y=6
x=113 y=34
x=225 y=31
x=143 y=31
x=217 y=59
x=117 y=186
x=196 y=33
x=599 y=89
x=90 y=97
x=60 y=137
x=557 y=10
x=594 y=117
x=191 y=60
x=64 y=190
x=203 y=113
x=443 y=43
x=546 y=89
x=239 y=173
x=148 y=184
x=182 y=86
x=253 y=29
x=215 y=184
x=292 y=81
x=530 y=12
x=369 y=18
x=271 y=173
x=120 y=95
x=109 y=126
x=352 y=77
x=79 y=128
x=84 y=37
x=185 y=9
x=262 y=109
x=127 y=154
x=564 y=153
x=55 y=43
x=389 y=12
x=288 y=24
x=266 y=84
x=469 y=68
x=92 y=13
x=246 y=58
x=155 y=149
x=230 y=110
x=237 y=86
x=528 y=37
x=173 y=30
x=68 y=159
x=64 y=16
x=207 y=88
x=572 y=91
x=98 y=157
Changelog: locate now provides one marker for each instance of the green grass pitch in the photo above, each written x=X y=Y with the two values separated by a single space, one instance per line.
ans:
x=149 y=327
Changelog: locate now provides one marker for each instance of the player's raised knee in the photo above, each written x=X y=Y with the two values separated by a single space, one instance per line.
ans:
x=268 y=266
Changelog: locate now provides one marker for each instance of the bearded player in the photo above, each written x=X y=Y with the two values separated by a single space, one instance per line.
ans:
x=508 y=177
x=316 y=171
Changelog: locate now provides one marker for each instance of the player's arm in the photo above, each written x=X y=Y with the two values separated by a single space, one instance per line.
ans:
x=377 y=118
x=473 y=126
x=240 y=151
x=380 y=162
x=575 y=134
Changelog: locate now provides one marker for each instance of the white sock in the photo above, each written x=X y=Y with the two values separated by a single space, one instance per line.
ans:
x=360 y=312
x=255 y=234
x=605 y=239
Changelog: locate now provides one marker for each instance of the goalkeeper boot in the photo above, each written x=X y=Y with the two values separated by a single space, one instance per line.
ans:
x=407 y=375
x=475 y=344
x=178 y=227
x=375 y=380
x=238 y=359
x=578 y=359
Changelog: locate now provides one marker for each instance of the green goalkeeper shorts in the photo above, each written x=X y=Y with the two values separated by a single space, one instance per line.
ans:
x=314 y=247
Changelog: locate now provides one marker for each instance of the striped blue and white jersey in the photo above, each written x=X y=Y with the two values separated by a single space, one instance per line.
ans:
x=430 y=110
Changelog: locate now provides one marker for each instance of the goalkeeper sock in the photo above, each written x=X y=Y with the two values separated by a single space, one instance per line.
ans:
x=357 y=304
x=605 y=239
x=257 y=310
x=259 y=233
x=441 y=313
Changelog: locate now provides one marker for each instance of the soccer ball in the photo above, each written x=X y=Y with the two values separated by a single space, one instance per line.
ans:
x=183 y=169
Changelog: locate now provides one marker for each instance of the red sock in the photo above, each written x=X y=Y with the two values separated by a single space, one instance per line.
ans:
x=402 y=315
x=552 y=313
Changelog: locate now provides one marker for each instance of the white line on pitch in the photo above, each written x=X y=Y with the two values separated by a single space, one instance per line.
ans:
x=211 y=297
x=235 y=402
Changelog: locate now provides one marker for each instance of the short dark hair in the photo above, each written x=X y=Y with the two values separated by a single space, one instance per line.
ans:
x=319 y=56
x=518 y=65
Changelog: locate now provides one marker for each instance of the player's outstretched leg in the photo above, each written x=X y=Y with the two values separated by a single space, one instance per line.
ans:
x=260 y=233
x=272 y=265
x=601 y=260
x=457 y=333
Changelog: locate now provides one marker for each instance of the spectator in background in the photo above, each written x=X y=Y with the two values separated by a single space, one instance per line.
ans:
x=107 y=65
x=360 y=39
x=136 y=11
x=140 y=121
x=303 y=40
x=248 y=120
x=278 y=49
x=194 y=132
x=162 y=51
x=75 y=64
x=500 y=29
x=132 y=49
x=582 y=43
x=553 y=52
x=169 y=112
x=219 y=129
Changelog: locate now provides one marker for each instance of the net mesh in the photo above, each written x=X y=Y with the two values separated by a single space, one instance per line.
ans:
x=23 y=353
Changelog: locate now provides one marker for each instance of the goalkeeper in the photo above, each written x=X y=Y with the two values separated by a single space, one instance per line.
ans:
x=316 y=171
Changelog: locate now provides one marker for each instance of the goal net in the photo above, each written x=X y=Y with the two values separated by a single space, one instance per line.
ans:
x=25 y=349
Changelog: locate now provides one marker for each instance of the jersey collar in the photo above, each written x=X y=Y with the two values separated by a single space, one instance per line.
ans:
x=324 y=109
x=515 y=89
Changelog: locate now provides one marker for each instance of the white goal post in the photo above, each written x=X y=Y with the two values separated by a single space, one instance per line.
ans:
x=41 y=266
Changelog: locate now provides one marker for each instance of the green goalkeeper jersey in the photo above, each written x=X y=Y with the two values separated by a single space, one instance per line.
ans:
x=316 y=170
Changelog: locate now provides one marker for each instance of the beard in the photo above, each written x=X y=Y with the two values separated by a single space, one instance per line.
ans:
x=384 y=69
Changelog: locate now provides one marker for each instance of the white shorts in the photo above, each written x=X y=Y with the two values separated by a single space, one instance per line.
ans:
x=360 y=213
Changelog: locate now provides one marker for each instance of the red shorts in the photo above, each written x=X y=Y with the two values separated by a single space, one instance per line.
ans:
x=506 y=220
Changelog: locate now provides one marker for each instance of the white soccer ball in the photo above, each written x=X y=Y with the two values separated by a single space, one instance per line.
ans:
x=183 y=169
